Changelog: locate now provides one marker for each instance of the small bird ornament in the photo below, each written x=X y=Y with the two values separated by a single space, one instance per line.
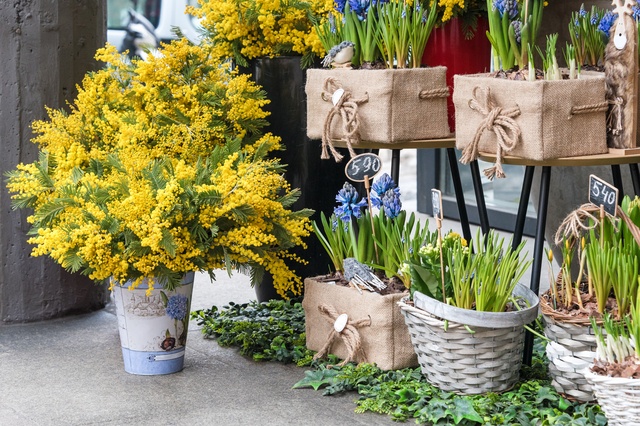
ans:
x=340 y=55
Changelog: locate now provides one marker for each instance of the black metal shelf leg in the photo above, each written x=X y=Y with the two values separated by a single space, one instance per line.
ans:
x=457 y=186
x=395 y=165
x=523 y=205
x=538 y=253
x=635 y=177
x=617 y=181
x=482 y=206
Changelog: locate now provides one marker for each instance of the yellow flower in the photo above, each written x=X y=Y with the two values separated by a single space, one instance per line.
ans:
x=249 y=29
x=159 y=169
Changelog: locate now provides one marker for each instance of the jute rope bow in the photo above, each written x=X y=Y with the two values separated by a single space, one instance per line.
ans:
x=347 y=108
x=498 y=120
x=574 y=224
x=350 y=336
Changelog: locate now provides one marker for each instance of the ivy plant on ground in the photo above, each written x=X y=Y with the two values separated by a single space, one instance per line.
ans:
x=275 y=331
x=270 y=331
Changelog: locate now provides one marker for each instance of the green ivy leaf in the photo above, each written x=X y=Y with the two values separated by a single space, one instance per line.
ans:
x=545 y=394
x=463 y=409
x=317 y=378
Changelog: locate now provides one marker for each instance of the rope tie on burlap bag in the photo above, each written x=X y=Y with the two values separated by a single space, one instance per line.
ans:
x=587 y=109
x=434 y=93
x=347 y=108
x=349 y=335
x=498 y=120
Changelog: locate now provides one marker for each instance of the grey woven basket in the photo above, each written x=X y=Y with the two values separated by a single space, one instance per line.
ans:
x=458 y=361
x=572 y=348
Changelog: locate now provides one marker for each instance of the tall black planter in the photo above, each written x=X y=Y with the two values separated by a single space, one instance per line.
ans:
x=319 y=180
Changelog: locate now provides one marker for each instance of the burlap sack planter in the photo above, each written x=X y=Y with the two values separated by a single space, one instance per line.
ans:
x=393 y=105
x=385 y=342
x=467 y=363
x=554 y=119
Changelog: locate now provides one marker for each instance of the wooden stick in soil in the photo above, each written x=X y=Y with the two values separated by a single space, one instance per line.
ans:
x=439 y=225
x=373 y=228
x=601 y=226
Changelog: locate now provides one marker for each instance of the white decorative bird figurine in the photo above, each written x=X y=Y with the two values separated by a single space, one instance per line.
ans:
x=340 y=55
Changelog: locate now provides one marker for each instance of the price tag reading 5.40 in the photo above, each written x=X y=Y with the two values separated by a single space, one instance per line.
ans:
x=363 y=165
x=604 y=194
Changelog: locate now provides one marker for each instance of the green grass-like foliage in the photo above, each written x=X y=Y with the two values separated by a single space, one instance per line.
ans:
x=269 y=331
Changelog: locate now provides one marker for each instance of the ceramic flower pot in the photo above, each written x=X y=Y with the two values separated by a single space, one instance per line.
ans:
x=153 y=327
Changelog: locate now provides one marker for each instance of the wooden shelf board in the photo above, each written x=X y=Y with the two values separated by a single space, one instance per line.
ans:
x=587 y=160
x=449 y=142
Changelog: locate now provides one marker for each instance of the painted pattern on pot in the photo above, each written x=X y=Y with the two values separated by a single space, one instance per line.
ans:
x=153 y=328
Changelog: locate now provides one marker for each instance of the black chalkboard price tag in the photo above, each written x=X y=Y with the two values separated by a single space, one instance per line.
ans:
x=436 y=202
x=363 y=165
x=604 y=194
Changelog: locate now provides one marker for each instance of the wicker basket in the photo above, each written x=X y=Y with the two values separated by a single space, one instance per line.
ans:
x=618 y=397
x=458 y=361
x=572 y=348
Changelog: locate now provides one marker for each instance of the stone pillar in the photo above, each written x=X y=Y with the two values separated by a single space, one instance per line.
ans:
x=47 y=47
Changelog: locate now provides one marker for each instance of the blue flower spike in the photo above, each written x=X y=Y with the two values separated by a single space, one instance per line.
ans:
x=391 y=204
x=380 y=187
x=348 y=197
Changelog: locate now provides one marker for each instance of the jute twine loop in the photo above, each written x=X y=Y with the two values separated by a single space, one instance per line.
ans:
x=616 y=110
x=347 y=108
x=574 y=224
x=350 y=336
x=500 y=121
x=587 y=109
x=434 y=93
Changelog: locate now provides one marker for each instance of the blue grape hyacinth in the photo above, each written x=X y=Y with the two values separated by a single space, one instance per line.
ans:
x=177 y=307
x=348 y=197
x=380 y=187
x=391 y=204
x=517 y=28
x=506 y=6
x=607 y=22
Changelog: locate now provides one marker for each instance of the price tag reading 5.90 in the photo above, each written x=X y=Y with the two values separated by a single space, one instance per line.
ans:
x=603 y=193
x=363 y=165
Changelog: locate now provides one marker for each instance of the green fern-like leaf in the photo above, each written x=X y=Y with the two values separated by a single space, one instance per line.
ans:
x=168 y=243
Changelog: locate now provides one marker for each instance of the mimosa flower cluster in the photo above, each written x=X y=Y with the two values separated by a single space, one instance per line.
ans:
x=247 y=29
x=159 y=169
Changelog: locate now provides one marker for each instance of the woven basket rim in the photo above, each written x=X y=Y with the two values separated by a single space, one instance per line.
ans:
x=610 y=381
x=480 y=318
